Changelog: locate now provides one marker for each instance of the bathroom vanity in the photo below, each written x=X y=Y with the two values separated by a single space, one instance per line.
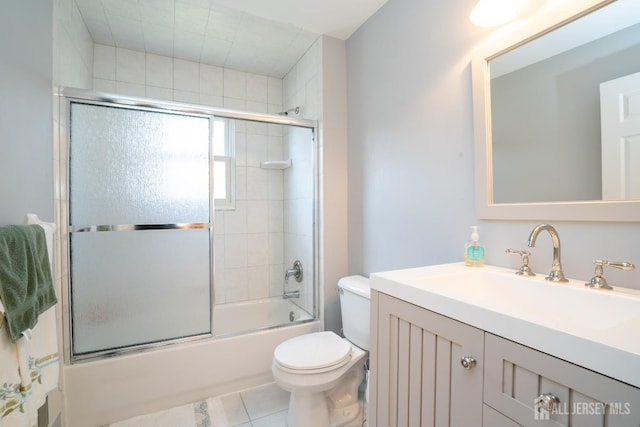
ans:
x=460 y=346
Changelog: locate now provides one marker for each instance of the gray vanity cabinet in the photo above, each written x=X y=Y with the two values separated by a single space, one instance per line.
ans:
x=493 y=418
x=419 y=379
x=518 y=380
x=431 y=370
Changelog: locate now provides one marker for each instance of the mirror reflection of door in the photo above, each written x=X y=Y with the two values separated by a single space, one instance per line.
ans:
x=620 y=120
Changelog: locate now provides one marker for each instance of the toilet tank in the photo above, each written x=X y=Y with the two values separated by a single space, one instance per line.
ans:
x=355 y=303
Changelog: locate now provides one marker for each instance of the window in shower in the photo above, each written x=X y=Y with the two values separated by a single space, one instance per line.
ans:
x=140 y=226
x=224 y=163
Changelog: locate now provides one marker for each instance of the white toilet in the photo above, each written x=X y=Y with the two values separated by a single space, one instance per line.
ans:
x=322 y=371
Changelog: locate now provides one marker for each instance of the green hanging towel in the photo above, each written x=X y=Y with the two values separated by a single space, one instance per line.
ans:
x=26 y=286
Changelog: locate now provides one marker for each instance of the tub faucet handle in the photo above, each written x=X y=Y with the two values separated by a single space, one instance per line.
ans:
x=296 y=272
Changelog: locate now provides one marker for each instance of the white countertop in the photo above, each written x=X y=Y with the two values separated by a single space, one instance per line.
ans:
x=596 y=329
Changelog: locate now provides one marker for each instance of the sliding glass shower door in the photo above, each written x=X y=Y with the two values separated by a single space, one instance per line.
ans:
x=140 y=215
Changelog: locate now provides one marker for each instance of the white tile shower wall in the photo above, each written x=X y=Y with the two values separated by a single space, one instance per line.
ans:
x=72 y=67
x=144 y=74
x=248 y=240
x=301 y=88
x=73 y=55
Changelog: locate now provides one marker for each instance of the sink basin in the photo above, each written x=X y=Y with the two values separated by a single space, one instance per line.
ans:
x=560 y=304
x=597 y=329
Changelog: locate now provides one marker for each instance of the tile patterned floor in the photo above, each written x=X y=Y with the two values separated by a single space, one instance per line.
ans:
x=263 y=406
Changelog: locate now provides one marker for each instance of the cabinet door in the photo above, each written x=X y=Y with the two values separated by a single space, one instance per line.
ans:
x=517 y=376
x=420 y=378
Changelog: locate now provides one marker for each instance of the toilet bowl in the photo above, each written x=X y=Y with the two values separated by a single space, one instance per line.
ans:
x=322 y=371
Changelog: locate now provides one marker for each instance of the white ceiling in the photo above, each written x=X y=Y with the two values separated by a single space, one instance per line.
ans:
x=259 y=36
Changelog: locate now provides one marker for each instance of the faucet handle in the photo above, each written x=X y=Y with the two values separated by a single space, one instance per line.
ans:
x=598 y=281
x=296 y=272
x=524 y=270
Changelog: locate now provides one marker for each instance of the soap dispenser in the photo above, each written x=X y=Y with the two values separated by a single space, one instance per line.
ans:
x=474 y=250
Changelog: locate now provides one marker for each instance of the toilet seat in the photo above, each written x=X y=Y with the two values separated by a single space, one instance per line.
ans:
x=313 y=353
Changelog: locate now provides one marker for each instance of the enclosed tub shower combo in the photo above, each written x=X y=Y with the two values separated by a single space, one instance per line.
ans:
x=185 y=224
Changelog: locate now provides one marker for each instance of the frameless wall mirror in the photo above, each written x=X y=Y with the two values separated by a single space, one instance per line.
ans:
x=557 y=115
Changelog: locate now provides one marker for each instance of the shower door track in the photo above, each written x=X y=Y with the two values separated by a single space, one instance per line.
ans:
x=83 y=95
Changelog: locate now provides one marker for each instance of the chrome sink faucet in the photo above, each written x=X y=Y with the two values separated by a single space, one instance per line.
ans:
x=556 y=274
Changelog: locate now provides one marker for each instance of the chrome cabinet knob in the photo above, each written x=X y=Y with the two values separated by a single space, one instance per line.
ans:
x=547 y=401
x=468 y=362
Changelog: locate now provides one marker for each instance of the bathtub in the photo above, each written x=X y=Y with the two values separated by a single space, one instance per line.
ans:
x=256 y=315
x=103 y=391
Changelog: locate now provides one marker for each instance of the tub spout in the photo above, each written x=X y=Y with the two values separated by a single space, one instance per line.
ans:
x=292 y=294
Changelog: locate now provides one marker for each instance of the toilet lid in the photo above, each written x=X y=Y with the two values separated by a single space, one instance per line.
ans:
x=313 y=351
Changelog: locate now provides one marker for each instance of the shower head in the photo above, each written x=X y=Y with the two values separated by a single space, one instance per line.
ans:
x=295 y=110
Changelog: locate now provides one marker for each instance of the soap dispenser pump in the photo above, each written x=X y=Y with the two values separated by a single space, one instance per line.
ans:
x=474 y=250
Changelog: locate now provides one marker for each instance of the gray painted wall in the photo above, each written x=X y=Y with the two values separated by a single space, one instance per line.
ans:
x=411 y=194
x=411 y=182
x=26 y=165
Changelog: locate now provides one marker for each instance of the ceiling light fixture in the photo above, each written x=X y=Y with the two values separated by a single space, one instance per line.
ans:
x=492 y=13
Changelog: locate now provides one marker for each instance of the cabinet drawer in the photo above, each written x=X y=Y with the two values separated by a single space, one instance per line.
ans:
x=493 y=418
x=516 y=377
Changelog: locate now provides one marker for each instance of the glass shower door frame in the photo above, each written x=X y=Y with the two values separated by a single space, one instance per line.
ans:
x=69 y=95
x=95 y=305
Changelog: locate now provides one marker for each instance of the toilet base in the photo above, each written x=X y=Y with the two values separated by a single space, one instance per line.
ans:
x=338 y=407
x=328 y=398
x=310 y=410
x=348 y=416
